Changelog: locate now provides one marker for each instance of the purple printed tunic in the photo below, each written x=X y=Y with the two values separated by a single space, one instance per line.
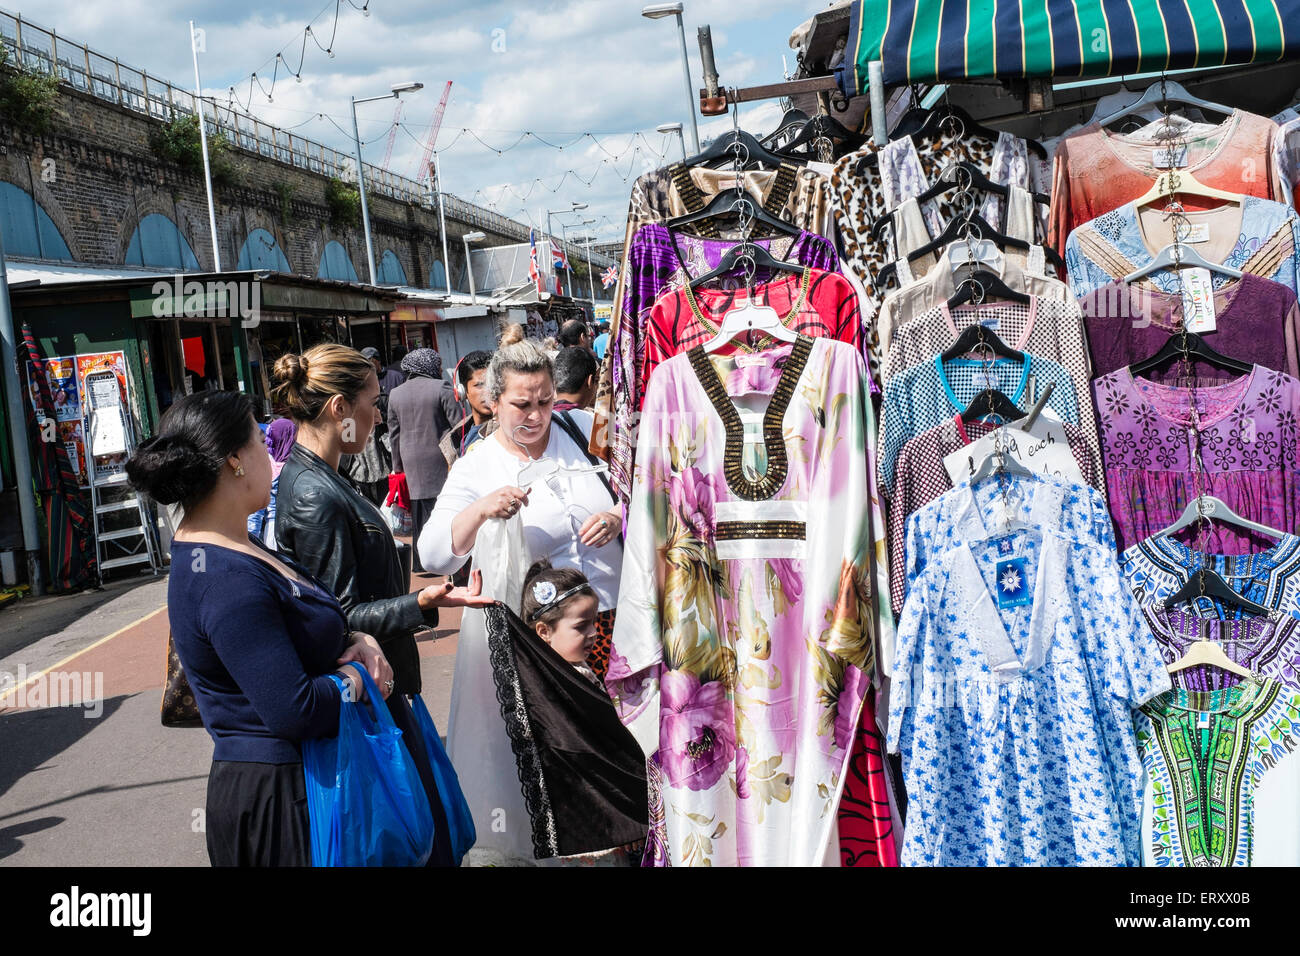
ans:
x=659 y=261
x=1269 y=648
x=1163 y=445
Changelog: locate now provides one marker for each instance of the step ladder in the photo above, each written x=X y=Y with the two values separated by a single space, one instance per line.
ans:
x=124 y=530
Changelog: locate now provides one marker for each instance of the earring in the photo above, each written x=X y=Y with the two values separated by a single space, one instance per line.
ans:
x=239 y=472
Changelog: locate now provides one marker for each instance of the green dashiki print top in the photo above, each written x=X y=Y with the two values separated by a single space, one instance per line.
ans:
x=1222 y=781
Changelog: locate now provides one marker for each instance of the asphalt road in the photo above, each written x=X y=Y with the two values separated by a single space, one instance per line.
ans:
x=88 y=774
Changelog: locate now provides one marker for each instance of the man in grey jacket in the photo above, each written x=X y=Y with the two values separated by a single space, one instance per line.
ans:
x=420 y=411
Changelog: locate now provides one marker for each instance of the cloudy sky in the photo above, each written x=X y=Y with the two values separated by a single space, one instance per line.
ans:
x=558 y=69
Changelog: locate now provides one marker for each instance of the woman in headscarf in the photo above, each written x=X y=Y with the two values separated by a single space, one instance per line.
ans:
x=280 y=435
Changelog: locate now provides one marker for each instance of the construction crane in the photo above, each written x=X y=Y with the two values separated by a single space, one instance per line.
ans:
x=392 y=134
x=422 y=171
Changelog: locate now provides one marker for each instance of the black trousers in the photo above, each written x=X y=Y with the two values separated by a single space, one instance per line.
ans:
x=257 y=815
x=421 y=509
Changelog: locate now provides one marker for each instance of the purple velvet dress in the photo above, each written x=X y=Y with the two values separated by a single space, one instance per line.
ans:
x=1163 y=445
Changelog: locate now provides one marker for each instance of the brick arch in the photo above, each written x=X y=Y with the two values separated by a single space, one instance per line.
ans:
x=255 y=217
x=41 y=192
x=146 y=203
x=354 y=243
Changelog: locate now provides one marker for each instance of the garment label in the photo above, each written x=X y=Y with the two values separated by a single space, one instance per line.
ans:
x=1169 y=157
x=1197 y=232
x=1044 y=450
x=986 y=378
x=1198 y=300
x=1202 y=721
x=744 y=360
x=1014 y=586
x=990 y=322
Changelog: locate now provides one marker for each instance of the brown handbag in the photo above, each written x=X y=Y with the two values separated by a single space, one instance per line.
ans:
x=178 y=707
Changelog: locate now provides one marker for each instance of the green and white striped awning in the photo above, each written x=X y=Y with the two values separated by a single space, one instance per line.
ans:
x=924 y=41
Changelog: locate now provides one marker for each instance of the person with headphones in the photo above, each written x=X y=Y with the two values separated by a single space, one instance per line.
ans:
x=469 y=383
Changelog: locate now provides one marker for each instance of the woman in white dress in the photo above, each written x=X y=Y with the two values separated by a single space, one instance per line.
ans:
x=566 y=514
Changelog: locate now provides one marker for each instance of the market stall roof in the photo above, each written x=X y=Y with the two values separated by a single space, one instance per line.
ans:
x=34 y=283
x=924 y=41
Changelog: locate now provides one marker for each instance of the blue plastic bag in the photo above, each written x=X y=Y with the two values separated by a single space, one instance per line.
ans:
x=460 y=824
x=364 y=797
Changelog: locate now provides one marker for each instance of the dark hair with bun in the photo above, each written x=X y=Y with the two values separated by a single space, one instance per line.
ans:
x=304 y=383
x=184 y=460
x=563 y=578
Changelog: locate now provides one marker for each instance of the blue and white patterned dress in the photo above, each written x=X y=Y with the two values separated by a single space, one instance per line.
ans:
x=960 y=515
x=1020 y=660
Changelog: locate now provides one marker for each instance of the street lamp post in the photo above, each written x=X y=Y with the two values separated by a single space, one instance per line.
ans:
x=656 y=11
x=591 y=282
x=674 y=128
x=469 y=266
x=397 y=90
x=573 y=207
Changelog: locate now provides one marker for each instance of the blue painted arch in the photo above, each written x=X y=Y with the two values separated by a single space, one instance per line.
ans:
x=390 y=269
x=158 y=243
x=335 y=263
x=438 y=275
x=261 y=251
x=26 y=228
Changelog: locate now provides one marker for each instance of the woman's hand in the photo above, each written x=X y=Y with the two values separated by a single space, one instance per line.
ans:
x=365 y=649
x=600 y=529
x=447 y=595
x=353 y=690
x=503 y=502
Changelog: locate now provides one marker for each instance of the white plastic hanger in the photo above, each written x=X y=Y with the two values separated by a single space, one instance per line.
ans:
x=1206 y=651
x=1164 y=91
x=1181 y=182
x=1185 y=258
x=536 y=468
x=1209 y=506
x=750 y=317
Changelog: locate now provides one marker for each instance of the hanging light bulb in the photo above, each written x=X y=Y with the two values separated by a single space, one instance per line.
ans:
x=330 y=52
x=298 y=77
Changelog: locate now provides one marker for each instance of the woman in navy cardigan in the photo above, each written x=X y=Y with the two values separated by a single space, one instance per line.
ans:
x=257 y=635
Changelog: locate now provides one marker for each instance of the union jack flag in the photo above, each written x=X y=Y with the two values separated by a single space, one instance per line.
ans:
x=558 y=259
x=608 y=277
x=534 y=272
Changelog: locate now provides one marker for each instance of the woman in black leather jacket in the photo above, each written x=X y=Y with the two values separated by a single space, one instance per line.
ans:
x=324 y=524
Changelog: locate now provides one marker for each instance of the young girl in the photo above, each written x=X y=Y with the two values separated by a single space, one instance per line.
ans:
x=582 y=772
x=560 y=607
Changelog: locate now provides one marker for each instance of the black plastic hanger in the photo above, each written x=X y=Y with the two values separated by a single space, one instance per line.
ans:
x=991 y=401
x=972 y=227
x=730 y=202
x=762 y=259
x=1207 y=582
x=752 y=151
x=965 y=175
x=943 y=115
x=982 y=285
x=1196 y=348
x=793 y=117
x=975 y=336
x=820 y=126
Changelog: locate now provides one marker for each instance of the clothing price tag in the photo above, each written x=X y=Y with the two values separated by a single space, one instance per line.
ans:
x=1044 y=450
x=1169 y=157
x=1198 y=300
x=1015 y=589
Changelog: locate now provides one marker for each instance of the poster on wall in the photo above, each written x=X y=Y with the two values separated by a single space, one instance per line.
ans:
x=66 y=375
